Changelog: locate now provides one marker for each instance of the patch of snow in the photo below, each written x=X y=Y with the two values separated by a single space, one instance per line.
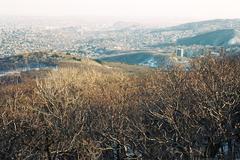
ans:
x=234 y=41
x=151 y=62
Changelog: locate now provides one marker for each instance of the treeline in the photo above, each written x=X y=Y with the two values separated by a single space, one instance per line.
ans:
x=97 y=112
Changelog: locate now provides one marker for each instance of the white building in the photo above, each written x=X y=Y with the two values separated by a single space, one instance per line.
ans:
x=180 y=52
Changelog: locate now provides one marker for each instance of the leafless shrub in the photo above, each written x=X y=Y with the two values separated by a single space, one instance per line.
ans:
x=92 y=112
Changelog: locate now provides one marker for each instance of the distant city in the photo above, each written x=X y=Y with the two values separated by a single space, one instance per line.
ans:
x=120 y=39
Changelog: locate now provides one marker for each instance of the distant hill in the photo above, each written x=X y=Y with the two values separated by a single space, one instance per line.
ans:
x=223 y=37
x=203 y=26
x=215 y=24
x=209 y=25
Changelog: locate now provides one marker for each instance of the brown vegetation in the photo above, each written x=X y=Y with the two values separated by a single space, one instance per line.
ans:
x=92 y=111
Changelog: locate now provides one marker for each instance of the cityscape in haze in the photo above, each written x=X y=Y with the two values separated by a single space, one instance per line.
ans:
x=119 y=80
x=119 y=41
x=113 y=31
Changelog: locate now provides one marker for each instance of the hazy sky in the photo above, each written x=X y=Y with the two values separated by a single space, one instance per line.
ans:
x=166 y=10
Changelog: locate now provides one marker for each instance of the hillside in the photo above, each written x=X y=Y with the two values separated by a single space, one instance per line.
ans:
x=203 y=26
x=224 y=37
x=216 y=24
x=27 y=62
x=97 y=111
x=140 y=58
x=33 y=61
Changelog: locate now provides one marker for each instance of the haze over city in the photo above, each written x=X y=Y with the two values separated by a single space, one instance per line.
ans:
x=160 y=12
